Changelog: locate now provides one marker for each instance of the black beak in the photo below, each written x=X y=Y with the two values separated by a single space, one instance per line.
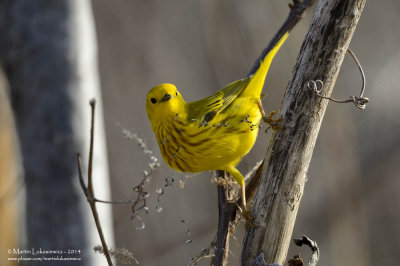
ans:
x=166 y=97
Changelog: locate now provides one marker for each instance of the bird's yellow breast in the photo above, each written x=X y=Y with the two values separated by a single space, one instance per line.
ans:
x=192 y=146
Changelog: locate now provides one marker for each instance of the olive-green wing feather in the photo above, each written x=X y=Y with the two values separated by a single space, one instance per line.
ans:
x=206 y=109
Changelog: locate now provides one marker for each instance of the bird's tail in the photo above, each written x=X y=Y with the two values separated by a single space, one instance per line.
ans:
x=260 y=70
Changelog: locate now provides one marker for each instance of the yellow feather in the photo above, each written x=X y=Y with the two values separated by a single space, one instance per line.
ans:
x=213 y=133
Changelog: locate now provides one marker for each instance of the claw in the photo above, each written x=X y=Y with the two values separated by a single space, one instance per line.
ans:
x=273 y=123
x=246 y=213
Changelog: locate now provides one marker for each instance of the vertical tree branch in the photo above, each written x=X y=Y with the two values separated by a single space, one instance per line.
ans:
x=226 y=210
x=89 y=192
x=286 y=164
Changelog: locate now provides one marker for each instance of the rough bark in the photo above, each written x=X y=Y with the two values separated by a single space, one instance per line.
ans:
x=284 y=174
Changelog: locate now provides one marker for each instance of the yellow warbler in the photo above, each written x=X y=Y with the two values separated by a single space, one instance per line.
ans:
x=213 y=133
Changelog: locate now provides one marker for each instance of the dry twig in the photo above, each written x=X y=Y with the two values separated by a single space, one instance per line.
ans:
x=89 y=193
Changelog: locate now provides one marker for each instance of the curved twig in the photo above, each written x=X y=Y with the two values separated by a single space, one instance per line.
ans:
x=317 y=86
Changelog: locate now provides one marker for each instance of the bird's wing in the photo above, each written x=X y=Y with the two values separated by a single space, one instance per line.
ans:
x=206 y=109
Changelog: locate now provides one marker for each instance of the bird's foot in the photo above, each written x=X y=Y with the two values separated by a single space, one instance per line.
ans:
x=273 y=123
x=246 y=213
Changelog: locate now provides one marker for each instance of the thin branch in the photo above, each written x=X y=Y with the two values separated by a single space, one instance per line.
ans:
x=205 y=253
x=90 y=163
x=81 y=181
x=114 y=201
x=142 y=195
x=89 y=193
x=297 y=9
x=226 y=212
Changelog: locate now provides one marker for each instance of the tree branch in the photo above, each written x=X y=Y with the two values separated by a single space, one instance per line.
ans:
x=297 y=9
x=226 y=212
x=283 y=177
x=227 y=209
x=89 y=193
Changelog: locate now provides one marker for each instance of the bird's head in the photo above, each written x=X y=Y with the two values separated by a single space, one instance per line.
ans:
x=164 y=101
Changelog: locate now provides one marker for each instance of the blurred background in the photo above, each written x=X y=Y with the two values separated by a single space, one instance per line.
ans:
x=350 y=204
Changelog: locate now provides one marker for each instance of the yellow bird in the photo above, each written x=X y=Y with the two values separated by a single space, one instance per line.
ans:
x=213 y=133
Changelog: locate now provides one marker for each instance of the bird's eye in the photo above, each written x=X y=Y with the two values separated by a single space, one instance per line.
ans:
x=153 y=100
x=176 y=93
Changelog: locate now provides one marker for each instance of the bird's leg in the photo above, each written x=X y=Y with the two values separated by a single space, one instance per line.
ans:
x=238 y=177
x=273 y=123
x=246 y=211
x=243 y=195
